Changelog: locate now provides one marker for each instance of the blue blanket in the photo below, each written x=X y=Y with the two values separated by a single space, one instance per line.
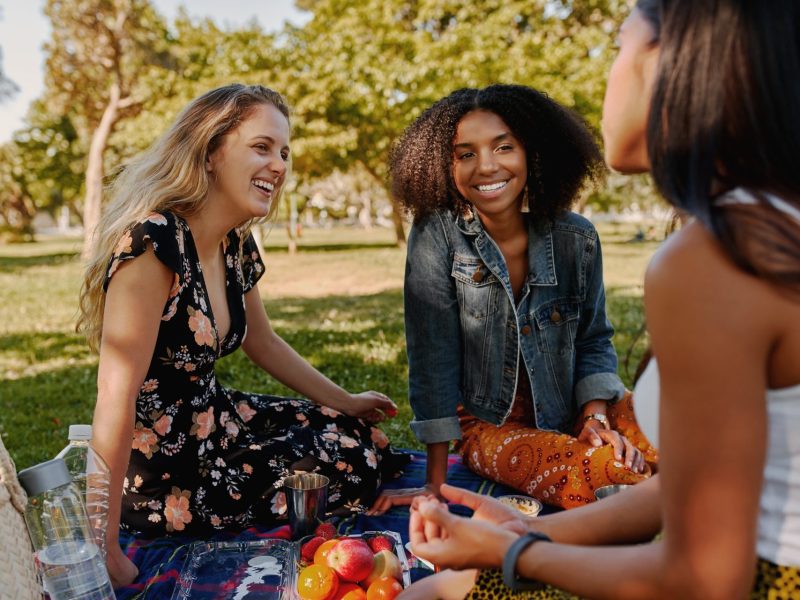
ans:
x=160 y=561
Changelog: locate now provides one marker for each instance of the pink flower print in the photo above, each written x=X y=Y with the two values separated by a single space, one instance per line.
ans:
x=301 y=417
x=144 y=440
x=329 y=412
x=372 y=460
x=177 y=510
x=379 y=438
x=203 y=423
x=348 y=442
x=157 y=219
x=341 y=465
x=245 y=412
x=278 y=505
x=163 y=425
x=215 y=521
x=247 y=469
x=150 y=386
x=201 y=325
x=232 y=429
x=124 y=244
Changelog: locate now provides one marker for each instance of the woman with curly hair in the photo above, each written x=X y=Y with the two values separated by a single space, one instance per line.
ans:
x=509 y=347
x=171 y=288
x=703 y=94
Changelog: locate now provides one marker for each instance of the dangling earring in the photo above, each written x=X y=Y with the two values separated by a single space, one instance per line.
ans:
x=467 y=211
x=525 y=206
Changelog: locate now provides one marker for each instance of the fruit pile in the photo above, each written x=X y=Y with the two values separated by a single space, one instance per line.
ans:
x=348 y=568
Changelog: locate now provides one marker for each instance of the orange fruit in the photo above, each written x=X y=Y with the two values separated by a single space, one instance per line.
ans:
x=384 y=588
x=317 y=582
x=350 y=591
x=321 y=555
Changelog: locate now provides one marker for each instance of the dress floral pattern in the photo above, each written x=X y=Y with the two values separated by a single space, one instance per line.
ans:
x=205 y=457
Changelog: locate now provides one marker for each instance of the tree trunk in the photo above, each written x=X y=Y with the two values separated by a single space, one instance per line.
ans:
x=94 y=170
x=397 y=217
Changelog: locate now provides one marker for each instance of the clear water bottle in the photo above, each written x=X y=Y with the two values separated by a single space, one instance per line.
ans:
x=67 y=555
x=91 y=475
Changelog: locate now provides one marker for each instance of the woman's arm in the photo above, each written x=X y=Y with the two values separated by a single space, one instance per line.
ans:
x=134 y=303
x=712 y=329
x=269 y=351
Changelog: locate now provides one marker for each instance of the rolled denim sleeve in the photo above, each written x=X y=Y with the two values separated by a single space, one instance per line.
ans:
x=596 y=360
x=433 y=337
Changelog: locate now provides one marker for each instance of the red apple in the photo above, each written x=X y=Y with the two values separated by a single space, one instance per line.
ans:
x=386 y=564
x=351 y=558
x=380 y=542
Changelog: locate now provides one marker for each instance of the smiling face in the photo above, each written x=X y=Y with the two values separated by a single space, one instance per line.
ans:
x=489 y=164
x=249 y=167
x=628 y=93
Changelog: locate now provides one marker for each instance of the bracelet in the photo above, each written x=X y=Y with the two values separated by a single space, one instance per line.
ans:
x=598 y=417
x=512 y=556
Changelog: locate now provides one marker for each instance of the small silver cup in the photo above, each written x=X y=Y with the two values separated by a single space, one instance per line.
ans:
x=306 y=501
x=609 y=490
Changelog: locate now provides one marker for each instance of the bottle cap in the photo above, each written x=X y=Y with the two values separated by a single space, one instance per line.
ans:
x=44 y=476
x=80 y=432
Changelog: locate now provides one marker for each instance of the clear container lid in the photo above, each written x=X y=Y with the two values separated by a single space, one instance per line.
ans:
x=80 y=433
x=253 y=570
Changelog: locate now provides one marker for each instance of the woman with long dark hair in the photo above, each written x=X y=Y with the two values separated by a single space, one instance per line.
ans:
x=704 y=94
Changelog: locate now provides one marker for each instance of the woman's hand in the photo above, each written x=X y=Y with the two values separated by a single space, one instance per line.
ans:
x=370 y=406
x=623 y=449
x=486 y=508
x=121 y=569
x=402 y=497
x=454 y=542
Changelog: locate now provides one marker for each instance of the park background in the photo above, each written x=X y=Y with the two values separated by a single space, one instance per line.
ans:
x=356 y=73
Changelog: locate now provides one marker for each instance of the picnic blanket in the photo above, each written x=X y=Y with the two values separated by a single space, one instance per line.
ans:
x=160 y=560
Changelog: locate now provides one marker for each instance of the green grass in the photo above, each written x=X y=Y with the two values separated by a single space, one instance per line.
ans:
x=338 y=301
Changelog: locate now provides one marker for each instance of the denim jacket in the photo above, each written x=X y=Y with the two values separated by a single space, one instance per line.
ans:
x=464 y=335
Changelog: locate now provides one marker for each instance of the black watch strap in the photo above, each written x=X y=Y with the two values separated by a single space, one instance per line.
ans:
x=512 y=556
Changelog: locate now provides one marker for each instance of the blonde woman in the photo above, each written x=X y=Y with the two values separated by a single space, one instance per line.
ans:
x=171 y=288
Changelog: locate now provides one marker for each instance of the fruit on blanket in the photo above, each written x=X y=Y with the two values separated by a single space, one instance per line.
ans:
x=385 y=564
x=350 y=591
x=308 y=549
x=384 y=588
x=351 y=558
x=321 y=553
x=380 y=542
x=326 y=530
x=317 y=582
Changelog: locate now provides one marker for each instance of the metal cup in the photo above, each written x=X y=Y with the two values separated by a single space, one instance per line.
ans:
x=609 y=490
x=306 y=500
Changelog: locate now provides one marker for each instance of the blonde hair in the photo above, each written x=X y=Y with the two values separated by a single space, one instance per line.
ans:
x=169 y=176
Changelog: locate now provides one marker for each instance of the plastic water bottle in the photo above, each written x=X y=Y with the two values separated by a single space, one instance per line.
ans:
x=67 y=555
x=91 y=475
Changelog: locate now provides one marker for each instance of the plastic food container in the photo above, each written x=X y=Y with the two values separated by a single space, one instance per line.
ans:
x=255 y=570
x=530 y=507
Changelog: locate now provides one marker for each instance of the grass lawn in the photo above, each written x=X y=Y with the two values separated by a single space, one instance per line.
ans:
x=338 y=301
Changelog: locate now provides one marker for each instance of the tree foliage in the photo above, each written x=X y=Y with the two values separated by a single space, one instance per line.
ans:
x=356 y=74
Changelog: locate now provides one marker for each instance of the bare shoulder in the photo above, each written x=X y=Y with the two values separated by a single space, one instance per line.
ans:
x=145 y=275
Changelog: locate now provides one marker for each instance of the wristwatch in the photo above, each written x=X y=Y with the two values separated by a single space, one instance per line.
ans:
x=512 y=556
x=598 y=417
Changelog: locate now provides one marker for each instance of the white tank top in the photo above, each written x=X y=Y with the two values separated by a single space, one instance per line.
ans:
x=779 y=510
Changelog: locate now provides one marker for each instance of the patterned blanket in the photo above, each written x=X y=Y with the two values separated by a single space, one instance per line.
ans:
x=160 y=561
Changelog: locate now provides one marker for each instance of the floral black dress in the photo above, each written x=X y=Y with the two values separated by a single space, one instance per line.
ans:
x=208 y=458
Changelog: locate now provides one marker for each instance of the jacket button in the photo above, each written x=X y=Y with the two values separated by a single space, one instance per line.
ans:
x=526 y=330
x=477 y=276
x=555 y=316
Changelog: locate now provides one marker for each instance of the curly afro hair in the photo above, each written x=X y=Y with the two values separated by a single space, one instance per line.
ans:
x=561 y=152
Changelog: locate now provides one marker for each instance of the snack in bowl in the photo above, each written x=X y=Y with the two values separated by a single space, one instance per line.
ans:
x=530 y=507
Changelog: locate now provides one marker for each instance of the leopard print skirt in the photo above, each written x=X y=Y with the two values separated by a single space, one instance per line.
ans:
x=773 y=582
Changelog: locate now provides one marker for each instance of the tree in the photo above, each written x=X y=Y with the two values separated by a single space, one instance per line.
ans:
x=104 y=59
x=362 y=70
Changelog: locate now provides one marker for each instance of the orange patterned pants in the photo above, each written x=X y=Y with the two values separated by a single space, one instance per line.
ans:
x=553 y=467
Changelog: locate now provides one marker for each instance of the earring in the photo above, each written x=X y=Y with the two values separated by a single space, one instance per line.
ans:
x=525 y=206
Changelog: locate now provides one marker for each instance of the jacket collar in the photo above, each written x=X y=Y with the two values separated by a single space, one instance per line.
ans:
x=541 y=258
